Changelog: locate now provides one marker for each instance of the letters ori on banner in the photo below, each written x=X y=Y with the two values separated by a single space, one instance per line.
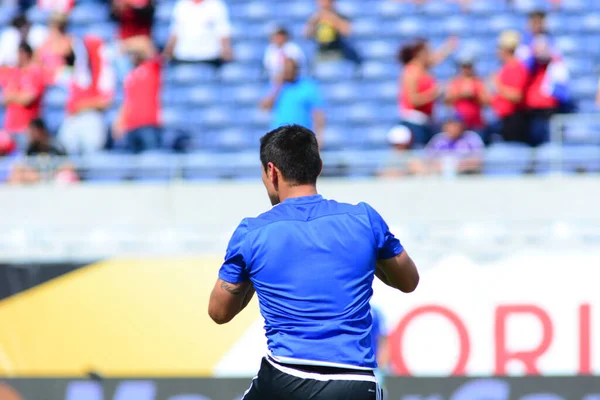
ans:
x=502 y=354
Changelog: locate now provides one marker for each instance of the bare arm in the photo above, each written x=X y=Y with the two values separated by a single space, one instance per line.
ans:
x=511 y=94
x=399 y=272
x=441 y=54
x=311 y=26
x=24 y=98
x=340 y=23
x=140 y=44
x=170 y=46
x=228 y=299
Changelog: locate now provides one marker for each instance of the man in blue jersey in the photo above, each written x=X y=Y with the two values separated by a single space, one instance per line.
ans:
x=311 y=261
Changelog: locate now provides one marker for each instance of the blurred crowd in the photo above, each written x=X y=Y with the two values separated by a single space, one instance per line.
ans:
x=531 y=85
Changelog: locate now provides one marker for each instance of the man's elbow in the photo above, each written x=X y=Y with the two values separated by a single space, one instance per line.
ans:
x=219 y=318
x=411 y=285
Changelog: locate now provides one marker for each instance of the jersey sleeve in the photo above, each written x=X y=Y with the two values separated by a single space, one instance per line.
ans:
x=387 y=244
x=234 y=268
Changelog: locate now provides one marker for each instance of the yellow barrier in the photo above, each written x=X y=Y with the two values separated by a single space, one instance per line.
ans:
x=119 y=317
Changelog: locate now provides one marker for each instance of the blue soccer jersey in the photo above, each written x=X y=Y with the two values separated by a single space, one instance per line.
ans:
x=312 y=263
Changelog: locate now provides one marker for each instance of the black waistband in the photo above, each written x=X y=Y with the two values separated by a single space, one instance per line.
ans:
x=324 y=370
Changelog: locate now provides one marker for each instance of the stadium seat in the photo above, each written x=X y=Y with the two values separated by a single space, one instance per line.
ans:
x=507 y=159
x=377 y=49
x=84 y=390
x=412 y=26
x=366 y=28
x=235 y=72
x=190 y=73
x=105 y=167
x=246 y=94
x=136 y=390
x=570 y=159
x=164 y=12
x=333 y=71
x=380 y=70
x=440 y=7
x=590 y=22
x=395 y=9
x=87 y=13
x=252 y=11
x=34 y=15
x=527 y=6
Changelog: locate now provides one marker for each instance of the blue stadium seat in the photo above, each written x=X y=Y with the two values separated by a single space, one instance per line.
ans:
x=457 y=24
x=136 y=390
x=579 y=66
x=154 y=165
x=412 y=26
x=251 y=11
x=527 y=6
x=235 y=72
x=584 y=87
x=488 y=7
x=87 y=13
x=174 y=116
x=298 y=10
x=35 y=15
x=105 y=167
x=501 y=22
x=247 y=94
x=351 y=9
x=55 y=96
x=591 y=22
x=217 y=116
x=249 y=51
x=377 y=49
x=333 y=71
x=366 y=28
x=576 y=6
x=105 y=30
x=507 y=159
x=570 y=159
x=441 y=7
x=6 y=164
x=190 y=73
x=164 y=11
x=53 y=118
x=203 y=94
x=84 y=390
x=339 y=92
x=395 y=9
x=380 y=70
x=160 y=34
x=568 y=44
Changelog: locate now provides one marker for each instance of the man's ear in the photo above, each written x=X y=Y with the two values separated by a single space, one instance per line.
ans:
x=273 y=174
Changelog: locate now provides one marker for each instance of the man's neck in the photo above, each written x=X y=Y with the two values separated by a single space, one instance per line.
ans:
x=299 y=191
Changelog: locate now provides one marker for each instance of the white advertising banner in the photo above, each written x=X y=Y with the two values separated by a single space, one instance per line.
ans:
x=532 y=313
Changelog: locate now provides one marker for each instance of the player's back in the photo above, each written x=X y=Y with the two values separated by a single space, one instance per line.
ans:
x=312 y=264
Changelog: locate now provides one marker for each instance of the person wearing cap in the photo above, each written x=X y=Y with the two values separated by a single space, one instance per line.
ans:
x=467 y=94
x=461 y=148
x=137 y=125
x=509 y=86
x=280 y=48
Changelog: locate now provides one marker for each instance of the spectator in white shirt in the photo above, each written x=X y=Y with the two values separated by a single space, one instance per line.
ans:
x=278 y=50
x=200 y=32
x=20 y=30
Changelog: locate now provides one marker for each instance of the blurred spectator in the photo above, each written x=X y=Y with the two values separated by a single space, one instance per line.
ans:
x=200 y=32
x=455 y=149
x=547 y=92
x=7 y=143
x=23 y=96
x=51 y=54
x=280 y=48
x=467 y=94
x=418 y=89
x=91 y=88
x=509 y=86
x=20 y=30
x=58 y=6
x=135 y=17
x=330 y=30
x=536 y=29
x=41 y=142
x=137 y=126
x=400 y=137
x=296 y=100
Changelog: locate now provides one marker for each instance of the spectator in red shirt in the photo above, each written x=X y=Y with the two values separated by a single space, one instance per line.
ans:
x=135 y=17
x=510 y=84
x=137 y=126
x=467 y=94
x=418 y=88
x=91 y=88
x=23 y=95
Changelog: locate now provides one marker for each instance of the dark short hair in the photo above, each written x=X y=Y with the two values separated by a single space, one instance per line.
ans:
x=26 y=48
x=537 y=14
x=19 y=21
x=410 y=50
x=281 y=30
x=294 y=150
x=38 y=123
